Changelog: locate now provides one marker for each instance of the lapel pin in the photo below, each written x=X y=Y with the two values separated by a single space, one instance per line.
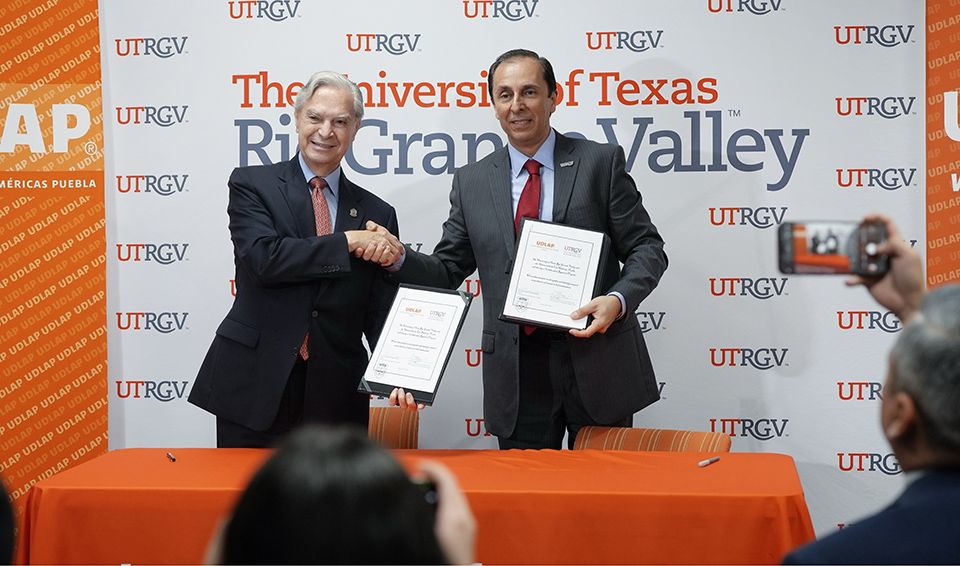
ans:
x=566 y=164
x=353 y=212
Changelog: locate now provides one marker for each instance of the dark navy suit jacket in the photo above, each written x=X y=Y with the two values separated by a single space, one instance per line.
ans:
x=289 y=281
x=921 y=527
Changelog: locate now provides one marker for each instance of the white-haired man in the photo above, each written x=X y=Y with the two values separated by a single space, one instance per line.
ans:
x=290 y=350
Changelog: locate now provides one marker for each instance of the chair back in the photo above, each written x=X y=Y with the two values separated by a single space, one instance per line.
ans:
x=393 y=427
x=623 y=438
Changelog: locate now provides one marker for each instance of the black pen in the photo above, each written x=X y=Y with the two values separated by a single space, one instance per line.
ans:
x=170 y=457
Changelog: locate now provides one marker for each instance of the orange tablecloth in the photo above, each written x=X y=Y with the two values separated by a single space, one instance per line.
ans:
x=134 y=506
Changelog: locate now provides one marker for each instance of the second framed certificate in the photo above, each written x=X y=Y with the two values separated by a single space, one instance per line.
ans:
x=554 y=273
x=415 y=343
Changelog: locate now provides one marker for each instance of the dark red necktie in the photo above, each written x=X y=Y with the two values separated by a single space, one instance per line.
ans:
x=321 y=216
x=529 y=206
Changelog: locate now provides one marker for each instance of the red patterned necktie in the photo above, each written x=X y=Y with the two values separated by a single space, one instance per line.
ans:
x=529 y=203
x=320 y=211
x=529 y=206
x=321 y=215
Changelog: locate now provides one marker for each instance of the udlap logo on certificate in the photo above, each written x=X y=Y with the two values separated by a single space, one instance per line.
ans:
x=416 y=341
x=554 y=273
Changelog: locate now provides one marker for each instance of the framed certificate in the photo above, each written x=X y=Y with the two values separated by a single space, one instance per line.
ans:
x=416 y=341
x=555 y=271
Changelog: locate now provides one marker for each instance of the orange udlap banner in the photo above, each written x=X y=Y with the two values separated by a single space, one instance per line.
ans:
x=53 y=342
x=943 y=135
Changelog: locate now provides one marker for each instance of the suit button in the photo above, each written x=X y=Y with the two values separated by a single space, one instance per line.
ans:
x=296 y=352
x=314 y=314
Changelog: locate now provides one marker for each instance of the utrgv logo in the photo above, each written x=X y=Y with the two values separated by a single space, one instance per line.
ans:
x=890 y=107
x=890 y=179
x=636 y=41
x=163 y=322
x=164 y=185
x=164 y=254
x=164 y=116
x=761 y=429
x=887 y=36
x=396 y=44
x=472 y=286
x=761 y=217
x=874 y=390
x=512 y=10
x=163 y=47
x=756 y=7
x=886 y=321
x=480 y=428
x=274 y=10
x=762 y=288
x=761 y=358
x=160 y=390
x=886 y=463
x=650 y=321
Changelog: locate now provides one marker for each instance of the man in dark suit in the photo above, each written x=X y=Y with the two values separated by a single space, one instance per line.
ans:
x=538 y=386
x=920 y=416
x=290 y=350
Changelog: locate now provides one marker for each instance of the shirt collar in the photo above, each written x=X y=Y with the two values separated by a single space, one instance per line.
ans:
x=333 y=179
x=544 y=155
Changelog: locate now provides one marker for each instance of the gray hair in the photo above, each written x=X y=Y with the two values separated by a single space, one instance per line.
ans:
x=331 y=79
x=926 y=365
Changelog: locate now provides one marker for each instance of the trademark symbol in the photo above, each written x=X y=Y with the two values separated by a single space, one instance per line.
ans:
x=733 y=113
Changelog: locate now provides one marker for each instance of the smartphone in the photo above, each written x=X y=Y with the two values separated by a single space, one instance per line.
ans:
x=831 y=247
x=429 y=491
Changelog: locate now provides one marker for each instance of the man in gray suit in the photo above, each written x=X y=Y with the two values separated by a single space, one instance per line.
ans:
x=538 y=386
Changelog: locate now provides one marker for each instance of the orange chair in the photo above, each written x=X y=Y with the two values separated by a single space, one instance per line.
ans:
x=393 y=427
x=622 y=438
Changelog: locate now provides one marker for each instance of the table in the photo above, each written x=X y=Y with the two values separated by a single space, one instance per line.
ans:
x=134 y=506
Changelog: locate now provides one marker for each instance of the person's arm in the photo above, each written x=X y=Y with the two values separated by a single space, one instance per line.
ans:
x=635 y=243
x=902 y=288
x=271 y=255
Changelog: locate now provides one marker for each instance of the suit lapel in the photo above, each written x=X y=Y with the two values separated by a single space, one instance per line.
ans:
x=296 y=192
x=500 y=195
x=350 y=212
x=565 y=166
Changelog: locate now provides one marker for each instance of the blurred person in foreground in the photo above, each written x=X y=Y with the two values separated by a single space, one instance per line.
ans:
x=6 y=526
x=920 y=417
x=332 y=496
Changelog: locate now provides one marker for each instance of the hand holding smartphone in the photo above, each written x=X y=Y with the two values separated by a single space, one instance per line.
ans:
x=832 y=247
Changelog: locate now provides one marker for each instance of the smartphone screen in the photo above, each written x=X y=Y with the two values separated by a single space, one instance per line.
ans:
x=832 y=247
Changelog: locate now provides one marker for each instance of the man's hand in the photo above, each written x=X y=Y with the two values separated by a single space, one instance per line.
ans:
x=375 y=244
x=605 y=310
x=404 y=400
x=902 y=288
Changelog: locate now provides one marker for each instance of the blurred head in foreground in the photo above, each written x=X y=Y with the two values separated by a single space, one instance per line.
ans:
x=331 y=496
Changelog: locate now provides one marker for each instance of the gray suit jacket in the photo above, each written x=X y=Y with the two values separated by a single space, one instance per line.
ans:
x=591 y=190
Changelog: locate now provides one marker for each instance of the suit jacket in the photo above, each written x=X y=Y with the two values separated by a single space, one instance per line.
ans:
x=591 y=190
x=921 y=527
x=289 y=281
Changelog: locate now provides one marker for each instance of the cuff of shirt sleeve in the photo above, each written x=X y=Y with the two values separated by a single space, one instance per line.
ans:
x=395 y=266
x=623 y=302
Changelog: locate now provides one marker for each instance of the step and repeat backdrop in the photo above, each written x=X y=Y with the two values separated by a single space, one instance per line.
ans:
x=735 y=116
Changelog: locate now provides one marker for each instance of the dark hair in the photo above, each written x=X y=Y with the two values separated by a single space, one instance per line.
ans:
x=331 y=496
x=926 y=365
x=545 y=66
